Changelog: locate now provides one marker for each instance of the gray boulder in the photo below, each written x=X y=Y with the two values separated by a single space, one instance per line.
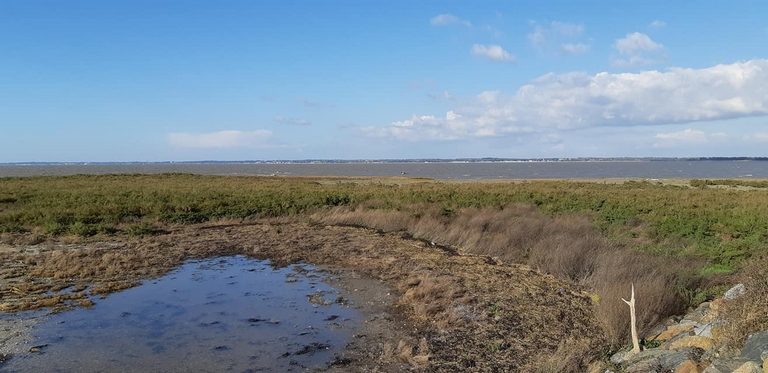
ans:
x=658 y=360
x=735 y=292
x=756 y=346
x=725 y=365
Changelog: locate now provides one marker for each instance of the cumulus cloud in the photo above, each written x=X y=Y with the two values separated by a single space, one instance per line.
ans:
x=657 y=24
x=492 y=52
x=220 y=139
x=556 y=102
x=448 y=20
x=574 y=48
x=292 y=121
x=637 y=49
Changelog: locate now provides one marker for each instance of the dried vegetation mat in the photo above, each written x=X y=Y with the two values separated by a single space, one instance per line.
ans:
x=457 y=312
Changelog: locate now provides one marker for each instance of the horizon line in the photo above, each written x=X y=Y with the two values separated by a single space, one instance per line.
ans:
x=398 y=160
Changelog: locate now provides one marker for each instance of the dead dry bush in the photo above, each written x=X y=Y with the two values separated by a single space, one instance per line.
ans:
x=657 y=283
x=567 y=246
x=435 y=298
x=747 y=314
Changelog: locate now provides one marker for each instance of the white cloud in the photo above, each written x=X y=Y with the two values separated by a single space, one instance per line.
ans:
x=688 y=136
x=448 y=20
x=541 y=34
x=637 y=49
x=574 y=48
x=492 y=52
x=566 y=35
x=577 y=100
x=292 y=121
x=636 y=42
x=220 y=139
x=657 y=24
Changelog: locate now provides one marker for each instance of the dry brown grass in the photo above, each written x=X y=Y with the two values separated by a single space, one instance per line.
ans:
x=566 y=246
x=456 y=312
x=747 y=314
x=657 y=283
x=572 y=356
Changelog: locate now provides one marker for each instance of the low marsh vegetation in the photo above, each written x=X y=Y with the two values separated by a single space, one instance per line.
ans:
x=699 y=183
x=722 y=226
x=673 y=241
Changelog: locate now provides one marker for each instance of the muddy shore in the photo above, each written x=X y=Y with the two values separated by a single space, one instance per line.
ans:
x=426 y=307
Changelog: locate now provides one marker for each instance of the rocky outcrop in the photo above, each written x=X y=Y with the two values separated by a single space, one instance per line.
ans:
x=686 y=345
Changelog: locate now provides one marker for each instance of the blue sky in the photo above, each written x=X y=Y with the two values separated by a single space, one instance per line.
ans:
x=152 y=80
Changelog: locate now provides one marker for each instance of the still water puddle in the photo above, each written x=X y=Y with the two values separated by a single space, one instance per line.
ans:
x=223 y=314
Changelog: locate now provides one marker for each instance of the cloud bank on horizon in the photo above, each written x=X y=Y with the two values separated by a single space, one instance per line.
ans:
x=578 y=100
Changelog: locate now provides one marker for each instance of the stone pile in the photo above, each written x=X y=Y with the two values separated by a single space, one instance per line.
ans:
x=686 y=345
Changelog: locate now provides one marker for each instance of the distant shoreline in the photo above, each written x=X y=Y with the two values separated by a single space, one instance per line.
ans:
x=477 y=169
x=397 y=161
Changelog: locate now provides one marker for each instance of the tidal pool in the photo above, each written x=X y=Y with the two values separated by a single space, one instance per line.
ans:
x=222 y=314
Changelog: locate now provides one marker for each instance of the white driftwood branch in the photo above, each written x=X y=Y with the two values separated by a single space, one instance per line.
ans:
x=633 y=320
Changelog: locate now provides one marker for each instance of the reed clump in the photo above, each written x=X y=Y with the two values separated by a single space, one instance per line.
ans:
x=568 y=247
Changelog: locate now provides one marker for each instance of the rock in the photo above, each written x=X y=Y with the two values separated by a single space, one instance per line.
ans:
x=703 y=330
x=735 y=292
x=619 y=357
x=764 y=356
x=673 y=359
x=38 y=349
x=667 y=344
x=749 y=367
x=703 y=307
x=699 y=314
x=756 y=346
x=661 y=360
x=657 y=330
x=697 y=341
x=688 y=366
x=675 y=330
x=716 y=304
x=725 y=365
x=645 y=361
